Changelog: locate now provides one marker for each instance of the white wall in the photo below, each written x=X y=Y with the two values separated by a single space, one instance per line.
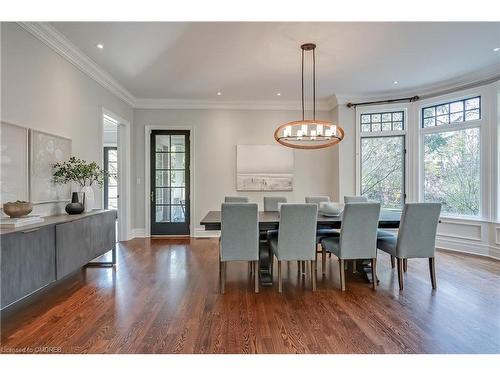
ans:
x=41 y=90
x=217 y=132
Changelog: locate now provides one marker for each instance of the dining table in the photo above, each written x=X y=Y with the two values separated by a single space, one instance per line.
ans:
x=269 y=220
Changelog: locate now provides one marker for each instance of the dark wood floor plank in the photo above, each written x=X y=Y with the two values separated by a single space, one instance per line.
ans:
x=163 y=298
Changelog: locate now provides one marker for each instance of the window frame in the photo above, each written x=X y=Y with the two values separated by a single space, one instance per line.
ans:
x=451 y=127
x=381 y=134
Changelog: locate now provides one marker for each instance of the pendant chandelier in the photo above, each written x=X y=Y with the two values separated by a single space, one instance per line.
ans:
x=309 y=134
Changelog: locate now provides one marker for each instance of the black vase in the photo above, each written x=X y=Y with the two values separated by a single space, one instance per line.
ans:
x=75 y=207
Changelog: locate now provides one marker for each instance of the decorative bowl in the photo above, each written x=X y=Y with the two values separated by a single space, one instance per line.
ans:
x=330 y=208
x=17 y=208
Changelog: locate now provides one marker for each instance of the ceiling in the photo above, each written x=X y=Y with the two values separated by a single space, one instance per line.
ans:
x=250 y=61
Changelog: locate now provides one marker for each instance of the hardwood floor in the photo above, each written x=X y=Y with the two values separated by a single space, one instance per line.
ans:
x=163 y=298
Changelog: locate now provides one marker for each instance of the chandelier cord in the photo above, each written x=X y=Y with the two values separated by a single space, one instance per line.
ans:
x=303 y=112
x=314 y=84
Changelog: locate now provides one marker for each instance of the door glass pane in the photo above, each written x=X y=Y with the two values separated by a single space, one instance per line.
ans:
x=177 y=195
x=382 y=170
x=162 y=214
x=161 y=178
x=178 y=143
x=162 y=161
x=163 y=143
x=177 y=161
x=178 y=215
x=162 y=196
x=177 y=178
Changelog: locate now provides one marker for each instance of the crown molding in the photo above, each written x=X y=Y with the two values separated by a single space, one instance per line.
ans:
x=485 y=76
x=55 y=40
x=143 y=103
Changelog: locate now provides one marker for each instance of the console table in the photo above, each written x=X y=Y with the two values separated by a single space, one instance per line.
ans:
x=34 y=256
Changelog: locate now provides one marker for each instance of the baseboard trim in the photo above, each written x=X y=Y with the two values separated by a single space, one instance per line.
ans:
x=138 y=233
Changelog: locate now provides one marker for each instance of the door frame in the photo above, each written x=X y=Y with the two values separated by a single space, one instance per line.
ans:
x=147 y=174
x=124 y=173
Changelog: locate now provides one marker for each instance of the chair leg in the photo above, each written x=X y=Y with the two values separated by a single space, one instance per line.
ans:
x=298 y=266
x=250 y=267
x=374 y=273
x=342 y=274
x=400 y=273
x=280 y=281
x=323 y=260
x=313 y=274
x=303 y=267
x=223 y=277
x=405 y=264
x=354 y=265
x=256 y=275
x=432 y=270
x=393 y=261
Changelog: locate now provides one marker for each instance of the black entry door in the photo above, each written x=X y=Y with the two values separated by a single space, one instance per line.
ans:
x=170 y=204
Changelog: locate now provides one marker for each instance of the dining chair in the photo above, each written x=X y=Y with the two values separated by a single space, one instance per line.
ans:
x=358 y=237
x=317 y=199
x=272 y=203
x=416 y=238
x=296 y=238
x=239 y=239
x=355 y=199
x=235 y=199
x=322 y=232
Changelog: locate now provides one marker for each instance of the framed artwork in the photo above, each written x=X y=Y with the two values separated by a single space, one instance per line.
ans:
x=46 y=150
x=264 y=168
x=13 y=162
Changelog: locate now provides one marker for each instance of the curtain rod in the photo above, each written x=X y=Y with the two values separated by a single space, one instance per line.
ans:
x=430 y=95
x=387 y=101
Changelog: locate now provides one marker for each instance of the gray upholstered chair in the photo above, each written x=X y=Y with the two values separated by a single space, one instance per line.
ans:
x=239 y=239
x=317 y=199
x=355 y=199
x=235 y=200
x=416 y=237
x=296 y=237
x=358 y=237
x=272 y=203
x=322 y=232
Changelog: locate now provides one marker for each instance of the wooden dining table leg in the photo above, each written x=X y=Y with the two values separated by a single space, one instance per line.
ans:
x=405 y=264
x=256 y=275
x=323 y=260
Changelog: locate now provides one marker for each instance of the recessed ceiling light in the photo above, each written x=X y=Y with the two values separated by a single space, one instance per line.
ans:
x=396 y=82
x=278 y=94
x=219 y=93
x=100 y=45
x=496 y=49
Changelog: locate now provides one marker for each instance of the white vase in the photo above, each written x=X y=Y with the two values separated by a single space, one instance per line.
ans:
x=89 y=198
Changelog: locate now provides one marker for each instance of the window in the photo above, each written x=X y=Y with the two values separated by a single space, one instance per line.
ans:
x=382 y=158
x=451 y=149
x=453 y=112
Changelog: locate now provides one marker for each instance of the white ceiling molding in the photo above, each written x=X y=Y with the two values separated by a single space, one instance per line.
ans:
x=55 y=40
x=323 y=105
